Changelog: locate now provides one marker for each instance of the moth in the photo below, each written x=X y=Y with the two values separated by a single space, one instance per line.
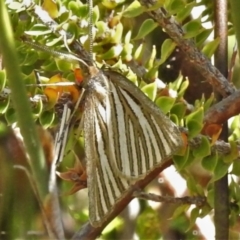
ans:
x=126 y=136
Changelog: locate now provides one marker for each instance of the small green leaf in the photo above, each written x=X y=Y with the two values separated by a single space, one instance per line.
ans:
x=203 y=150
x=205 y=210
x=116 y=37
x=165 y=103
x=180 y=210
x=37 y=109
x=203 y=36
x=220 y=170
x=179 y=109
x=185 y=11
x=209 y=102
x=148 y=26
x=133 y=10
x=63 y=65
x=46 y=119
x=139 y=52
x=194 y=128
x=210 y=162
x=235 y=123
x=11 y=116
x=150 y=90
x=211 y=47
x=113 y=52
x=38 y=30
x=183 y=88
x=180 y=161
x=233 y=155
x=4 y=104
x=2 y=79
x=192 y=28
x=193 y=216
x=101 y=27
x=83 y=10
x=167 y=48
x=75 y=6
x=210 y=198
x=194 y=122
x=176 y=6
x=236 y=168
x=196 y=116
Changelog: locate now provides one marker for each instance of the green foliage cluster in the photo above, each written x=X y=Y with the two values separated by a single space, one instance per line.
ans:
x=120 y=36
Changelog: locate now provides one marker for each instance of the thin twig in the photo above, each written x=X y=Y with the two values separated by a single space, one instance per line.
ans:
x=198 y=200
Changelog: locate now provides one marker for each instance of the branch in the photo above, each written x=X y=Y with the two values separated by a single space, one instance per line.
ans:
x=201 y=62
x=222 y=111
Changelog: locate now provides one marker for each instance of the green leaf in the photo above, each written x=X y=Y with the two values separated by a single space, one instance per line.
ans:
x=194 y=122
x=37 y=109
x=210 y=198
x=180 y=210
x=211 y=47
x=209 y=102
x=4 y=104
x=179 y=109
x=220 y=170
x=150 y=90
x=147 y=27
x=203 y=36
x=193 y=216
x=133 y=10
x=205 y=210
x=192 y=28
x=116 y=37
x=46 y=119
x=63 y=65
x=38 y=30
x=210 y=162
x=183 y=88
x=196 y=115
x=194 y=128
x=113 y=52
x=165 y=103
x=75 y=7
x=3 y=79
x=233 y=155
x=236 y=168
x=180 y=161
x=235 y=123
x=11 y=116
x=203 y=150
x=176 y=6
x=167 y=48
x=185 y=11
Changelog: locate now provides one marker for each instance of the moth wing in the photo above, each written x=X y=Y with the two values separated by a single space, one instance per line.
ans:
x=141 y=135
x=104 y=187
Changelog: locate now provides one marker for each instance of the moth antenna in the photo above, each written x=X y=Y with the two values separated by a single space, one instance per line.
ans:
x=90 y=7
x=59 y=54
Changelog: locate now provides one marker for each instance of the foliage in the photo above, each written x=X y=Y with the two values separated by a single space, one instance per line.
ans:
x=122 y=40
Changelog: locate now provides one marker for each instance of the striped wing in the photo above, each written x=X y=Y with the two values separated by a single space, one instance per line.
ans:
x=126 y=136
